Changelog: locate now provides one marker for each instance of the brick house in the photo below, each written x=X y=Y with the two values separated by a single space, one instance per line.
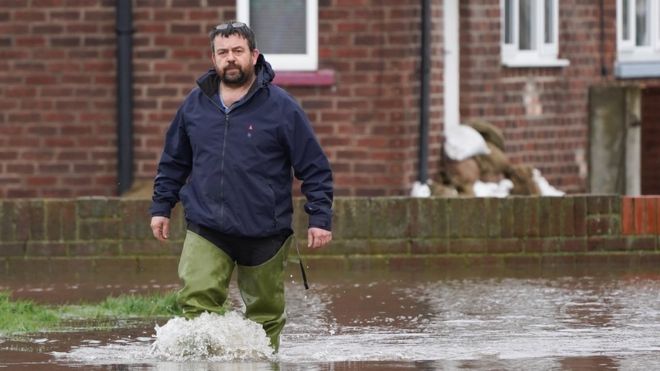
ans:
x=527 y=66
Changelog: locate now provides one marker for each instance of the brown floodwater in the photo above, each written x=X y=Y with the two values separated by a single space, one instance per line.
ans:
x=374 y=317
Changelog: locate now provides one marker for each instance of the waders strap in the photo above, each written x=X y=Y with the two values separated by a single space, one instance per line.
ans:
x=302 y=266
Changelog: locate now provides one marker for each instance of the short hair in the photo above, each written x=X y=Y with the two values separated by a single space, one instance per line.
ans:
x=233 y=27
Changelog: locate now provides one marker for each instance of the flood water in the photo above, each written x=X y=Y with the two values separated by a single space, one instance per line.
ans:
x=374 y=317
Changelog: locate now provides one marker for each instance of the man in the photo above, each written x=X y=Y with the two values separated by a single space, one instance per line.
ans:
x=228 y=156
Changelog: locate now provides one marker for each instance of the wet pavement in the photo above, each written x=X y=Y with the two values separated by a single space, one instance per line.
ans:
x=560 y=317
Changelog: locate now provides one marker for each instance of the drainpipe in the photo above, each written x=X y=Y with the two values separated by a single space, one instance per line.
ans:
x=603 y=68
x=421 y=188
x=124 y=30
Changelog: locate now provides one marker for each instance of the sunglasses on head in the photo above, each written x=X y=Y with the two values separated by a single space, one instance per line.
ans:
x=225 y=26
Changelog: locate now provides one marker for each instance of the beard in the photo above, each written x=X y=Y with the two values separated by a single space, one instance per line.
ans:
x=234 y=75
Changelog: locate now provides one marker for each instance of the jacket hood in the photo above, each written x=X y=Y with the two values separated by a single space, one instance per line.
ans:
x=210 y=81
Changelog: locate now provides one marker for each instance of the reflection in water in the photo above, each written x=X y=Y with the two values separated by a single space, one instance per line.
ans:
x=380 y=320
x=537 y=318
x=595 y=362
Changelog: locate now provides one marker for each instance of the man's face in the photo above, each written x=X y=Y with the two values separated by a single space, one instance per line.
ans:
x=233 y=60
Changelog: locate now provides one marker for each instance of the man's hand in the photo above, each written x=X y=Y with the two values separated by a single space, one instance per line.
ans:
x=160 y=226
x=317 y=237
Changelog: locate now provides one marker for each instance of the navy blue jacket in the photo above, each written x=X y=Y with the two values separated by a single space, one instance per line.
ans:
x=233 y=170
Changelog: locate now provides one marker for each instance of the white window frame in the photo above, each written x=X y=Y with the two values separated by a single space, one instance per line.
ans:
x=627 y=51
x=290 y=62
x=545 y=54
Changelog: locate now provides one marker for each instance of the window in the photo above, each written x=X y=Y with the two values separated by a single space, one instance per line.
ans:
x=638 y=30
x=638 y=38
x=530 y=30
x=286 y=30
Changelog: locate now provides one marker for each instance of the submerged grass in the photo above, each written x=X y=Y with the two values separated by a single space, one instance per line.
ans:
x=23 y=316
x=124 y=306
x=18 y=316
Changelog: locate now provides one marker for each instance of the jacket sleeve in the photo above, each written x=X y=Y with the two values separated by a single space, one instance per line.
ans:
x=173 y=169
x=311 y=166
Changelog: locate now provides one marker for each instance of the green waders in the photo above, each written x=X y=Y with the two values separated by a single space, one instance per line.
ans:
x=206 y=271
x=262 y=290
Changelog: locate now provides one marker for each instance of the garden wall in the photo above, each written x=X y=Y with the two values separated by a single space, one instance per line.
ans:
x=398 y=229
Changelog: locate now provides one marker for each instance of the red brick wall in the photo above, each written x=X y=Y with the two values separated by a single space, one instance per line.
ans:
x=553 y=139
x=368 y=122
x=171 y=50
x=57 y=98
x=57 y=89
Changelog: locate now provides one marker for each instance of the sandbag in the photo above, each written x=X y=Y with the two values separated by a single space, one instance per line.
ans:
x=490 y=133
x=462 y=175
x=462 y=142
x=492 y=167
x=522 y=177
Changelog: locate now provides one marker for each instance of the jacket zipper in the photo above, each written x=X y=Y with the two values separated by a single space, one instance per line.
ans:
x=222 y=160
x=222 y=169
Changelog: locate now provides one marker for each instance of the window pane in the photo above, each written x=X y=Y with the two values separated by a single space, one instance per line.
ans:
x=525 y=25
x=641 y=23
x=625 y=17
x=280 y=25
x=508 y=21
x=549 y=18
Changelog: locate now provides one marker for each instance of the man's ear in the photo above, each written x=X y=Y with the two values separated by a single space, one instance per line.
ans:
x=255 y=56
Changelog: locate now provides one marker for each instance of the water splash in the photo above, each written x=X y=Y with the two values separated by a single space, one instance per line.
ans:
x=213 y=337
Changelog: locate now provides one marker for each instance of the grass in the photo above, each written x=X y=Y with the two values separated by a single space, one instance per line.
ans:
x=24 y=316
x=17 y=316
x=123 y=306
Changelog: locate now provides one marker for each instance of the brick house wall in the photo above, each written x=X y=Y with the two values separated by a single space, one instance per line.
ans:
x=543 y=112
x=57 y=98
x=368 y=121
x=171 y=51
x=57 y=89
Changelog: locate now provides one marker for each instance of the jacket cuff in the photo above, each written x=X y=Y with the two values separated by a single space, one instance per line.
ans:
x=160 y=209
x=320 y=221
